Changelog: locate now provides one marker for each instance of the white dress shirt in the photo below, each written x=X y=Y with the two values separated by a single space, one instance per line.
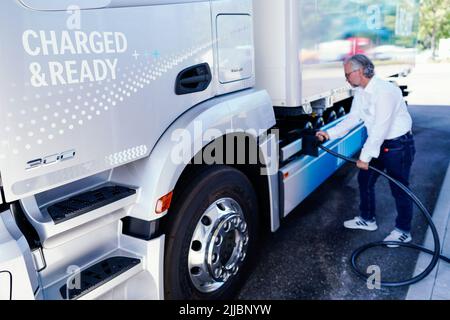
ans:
x=382 y=109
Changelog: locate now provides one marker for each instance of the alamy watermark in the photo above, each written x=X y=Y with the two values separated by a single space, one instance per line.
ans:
x=374 y=278
x=73 y=281
x=229 y=147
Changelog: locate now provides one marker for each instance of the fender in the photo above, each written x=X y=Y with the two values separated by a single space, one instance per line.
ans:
x=158 y=174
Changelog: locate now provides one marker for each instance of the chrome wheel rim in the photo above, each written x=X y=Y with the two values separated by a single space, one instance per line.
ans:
x=218 y=246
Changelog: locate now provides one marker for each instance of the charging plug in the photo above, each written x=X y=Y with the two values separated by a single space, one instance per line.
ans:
x=310 y=143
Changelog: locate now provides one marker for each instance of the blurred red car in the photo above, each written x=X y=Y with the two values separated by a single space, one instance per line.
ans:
x=359 y=45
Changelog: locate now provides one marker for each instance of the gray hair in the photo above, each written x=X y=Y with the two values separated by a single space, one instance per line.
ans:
x=360 y=61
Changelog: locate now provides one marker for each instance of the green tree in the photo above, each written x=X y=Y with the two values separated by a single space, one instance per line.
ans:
x=434 y=22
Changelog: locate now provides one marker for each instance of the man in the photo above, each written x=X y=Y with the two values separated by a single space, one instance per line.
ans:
x=389 y=146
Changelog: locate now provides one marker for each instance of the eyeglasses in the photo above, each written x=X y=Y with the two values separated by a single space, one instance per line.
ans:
x=348 y=74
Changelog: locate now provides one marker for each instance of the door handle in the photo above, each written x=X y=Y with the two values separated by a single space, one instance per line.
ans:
x=193 y=79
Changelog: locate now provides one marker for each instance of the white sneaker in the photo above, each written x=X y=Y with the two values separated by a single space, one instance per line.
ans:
x=398 y=236
x=360 y=223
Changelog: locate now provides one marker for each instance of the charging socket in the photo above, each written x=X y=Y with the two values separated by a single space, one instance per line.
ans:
x=310 y=144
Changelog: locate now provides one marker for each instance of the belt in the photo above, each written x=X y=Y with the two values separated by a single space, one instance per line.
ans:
x=406 y=135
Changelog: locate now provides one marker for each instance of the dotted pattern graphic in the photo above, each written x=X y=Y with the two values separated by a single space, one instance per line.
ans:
x=38 y=121
x=126 y=155
x=78 y=105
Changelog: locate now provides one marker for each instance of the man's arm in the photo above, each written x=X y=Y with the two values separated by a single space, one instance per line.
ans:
x=341 y=129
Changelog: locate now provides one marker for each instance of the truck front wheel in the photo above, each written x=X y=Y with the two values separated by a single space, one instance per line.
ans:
x=212 y=235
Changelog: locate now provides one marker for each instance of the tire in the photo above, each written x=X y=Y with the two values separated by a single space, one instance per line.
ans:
x=194 y=258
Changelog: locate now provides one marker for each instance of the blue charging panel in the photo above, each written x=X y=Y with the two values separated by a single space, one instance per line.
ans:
x=303 y=175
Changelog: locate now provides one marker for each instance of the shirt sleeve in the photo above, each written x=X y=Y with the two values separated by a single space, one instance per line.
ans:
x=385 y=105
x=351 y=121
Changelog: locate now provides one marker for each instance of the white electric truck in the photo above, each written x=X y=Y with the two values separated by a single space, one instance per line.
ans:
x=145 y=144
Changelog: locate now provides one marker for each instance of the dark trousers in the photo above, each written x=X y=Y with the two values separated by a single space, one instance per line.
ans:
x=396 y=158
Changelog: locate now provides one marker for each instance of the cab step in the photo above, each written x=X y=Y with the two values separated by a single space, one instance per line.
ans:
x=97 y=275
x=86 y=202
x=70 y=216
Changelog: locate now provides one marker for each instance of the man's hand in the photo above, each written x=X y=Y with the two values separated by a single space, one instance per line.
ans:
x=362 y=165
x=322 y=136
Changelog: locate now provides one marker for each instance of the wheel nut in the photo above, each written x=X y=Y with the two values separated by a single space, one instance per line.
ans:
x=242 y=256
x=218 y=272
